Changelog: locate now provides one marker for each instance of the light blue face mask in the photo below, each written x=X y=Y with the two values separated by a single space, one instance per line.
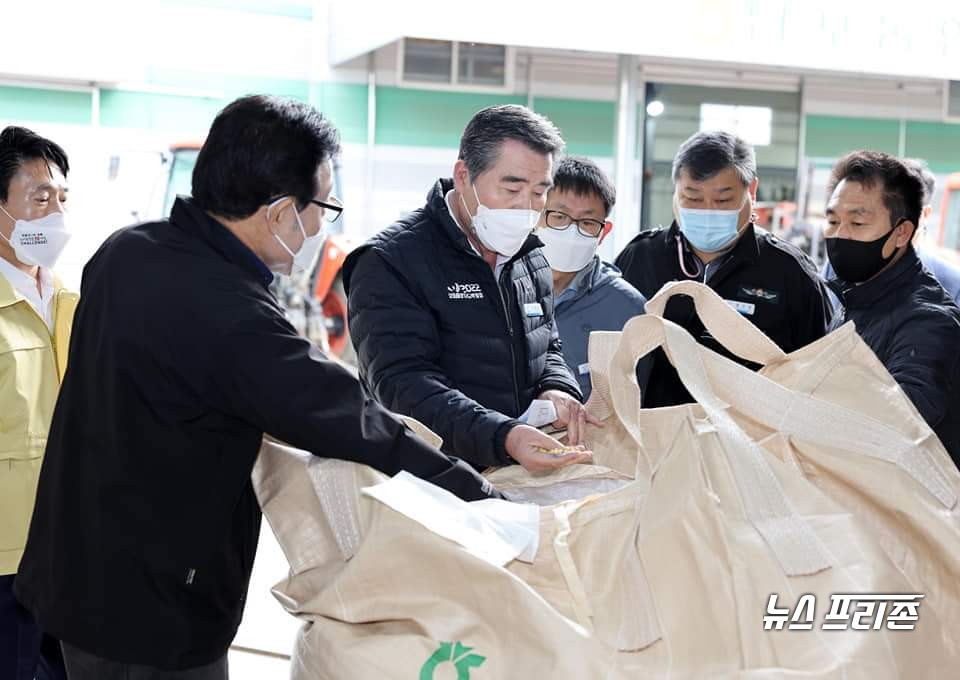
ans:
x=710 y=231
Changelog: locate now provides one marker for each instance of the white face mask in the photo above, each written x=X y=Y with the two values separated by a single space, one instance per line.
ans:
x=567 y=250
x=502 y=230
x=39 y=242
x=306 y=257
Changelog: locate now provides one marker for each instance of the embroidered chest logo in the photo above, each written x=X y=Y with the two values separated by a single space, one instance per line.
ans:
x=464 y=291
x=760 y=293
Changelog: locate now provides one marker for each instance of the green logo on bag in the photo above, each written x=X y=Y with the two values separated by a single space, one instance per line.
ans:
x=452 y=653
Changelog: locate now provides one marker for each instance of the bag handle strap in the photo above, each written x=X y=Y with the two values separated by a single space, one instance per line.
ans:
x=807 y=418
x=725 y=324
x=766 y=506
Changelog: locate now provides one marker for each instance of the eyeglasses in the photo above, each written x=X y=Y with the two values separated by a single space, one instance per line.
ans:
x=332 y=208
x=561 y=220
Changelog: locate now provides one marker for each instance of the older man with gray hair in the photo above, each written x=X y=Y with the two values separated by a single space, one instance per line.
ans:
x=714 y=240
x=451 y=308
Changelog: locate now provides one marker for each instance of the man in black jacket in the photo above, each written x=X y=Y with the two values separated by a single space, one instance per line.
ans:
x=451 y=309
x=899 y=308
x=146 y=523
x=714 y=240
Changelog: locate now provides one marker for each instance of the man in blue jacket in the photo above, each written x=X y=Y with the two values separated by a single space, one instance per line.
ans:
x=591 y=294
x=451 y=308
x=900 y=310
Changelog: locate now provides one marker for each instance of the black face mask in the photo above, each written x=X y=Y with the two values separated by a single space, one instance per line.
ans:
x=858 y=261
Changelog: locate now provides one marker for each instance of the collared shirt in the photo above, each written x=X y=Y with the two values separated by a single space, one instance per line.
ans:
x=26 y=285
x=501 y=259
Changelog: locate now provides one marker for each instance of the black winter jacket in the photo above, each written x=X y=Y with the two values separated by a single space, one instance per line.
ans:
x=913 y=326
x=769 y=281
x=146 y=524
x=440 y=339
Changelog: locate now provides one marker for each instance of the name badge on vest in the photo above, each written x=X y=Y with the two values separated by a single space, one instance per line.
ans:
x=745 y=308
x=532 y=310
x=584 y=369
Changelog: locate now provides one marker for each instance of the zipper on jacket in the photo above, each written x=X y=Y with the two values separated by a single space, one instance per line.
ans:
x=513 y=353
x=506 y=316
x=53 y=334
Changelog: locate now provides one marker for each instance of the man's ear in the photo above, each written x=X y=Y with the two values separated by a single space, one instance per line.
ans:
x=461 y=177
x=276 y=212
x=905 y=233
x=607 y=226
x=753 y=188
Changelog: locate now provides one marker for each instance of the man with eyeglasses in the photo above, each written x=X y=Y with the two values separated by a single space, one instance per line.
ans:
x=144 y=532
x=590 y=293
x=714 y=240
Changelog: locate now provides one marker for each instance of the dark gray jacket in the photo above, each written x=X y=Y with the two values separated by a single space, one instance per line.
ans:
x=598 y=299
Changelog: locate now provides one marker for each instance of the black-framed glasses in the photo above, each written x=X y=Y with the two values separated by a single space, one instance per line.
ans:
x=332 y=208
x=561 y=220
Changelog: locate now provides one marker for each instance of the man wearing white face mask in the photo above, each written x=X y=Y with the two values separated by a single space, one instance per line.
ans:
x=451 y=309
x=35 y=318
x=144 y=533
x=591 y=295
x=714 y=240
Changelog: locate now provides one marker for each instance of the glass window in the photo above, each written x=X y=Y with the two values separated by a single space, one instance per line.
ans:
x=427 y=61
x=753 y=123
x=482 y=64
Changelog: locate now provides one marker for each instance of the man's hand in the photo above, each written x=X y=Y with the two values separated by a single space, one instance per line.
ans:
x=526 y=445
x=570 y=415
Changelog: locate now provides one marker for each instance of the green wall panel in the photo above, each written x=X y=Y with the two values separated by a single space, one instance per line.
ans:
x=346 y=105
x=229 y=85
x=47 y=106
x=121 y=108
x=936 y=143
x=588 y=127
x=833 y=136
x=411 y=117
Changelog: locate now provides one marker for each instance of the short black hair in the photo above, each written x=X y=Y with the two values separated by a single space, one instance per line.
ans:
x=19 y=145
x=929 y=179
x=490 y=127
x=583 y=177
x=902 y=186
x=706 y=154
x=260 y=148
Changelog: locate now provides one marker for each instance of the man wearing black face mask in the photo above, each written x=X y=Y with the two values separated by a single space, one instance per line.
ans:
x=900 y=310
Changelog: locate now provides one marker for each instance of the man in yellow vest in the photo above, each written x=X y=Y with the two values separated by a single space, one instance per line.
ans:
x=36 y=314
